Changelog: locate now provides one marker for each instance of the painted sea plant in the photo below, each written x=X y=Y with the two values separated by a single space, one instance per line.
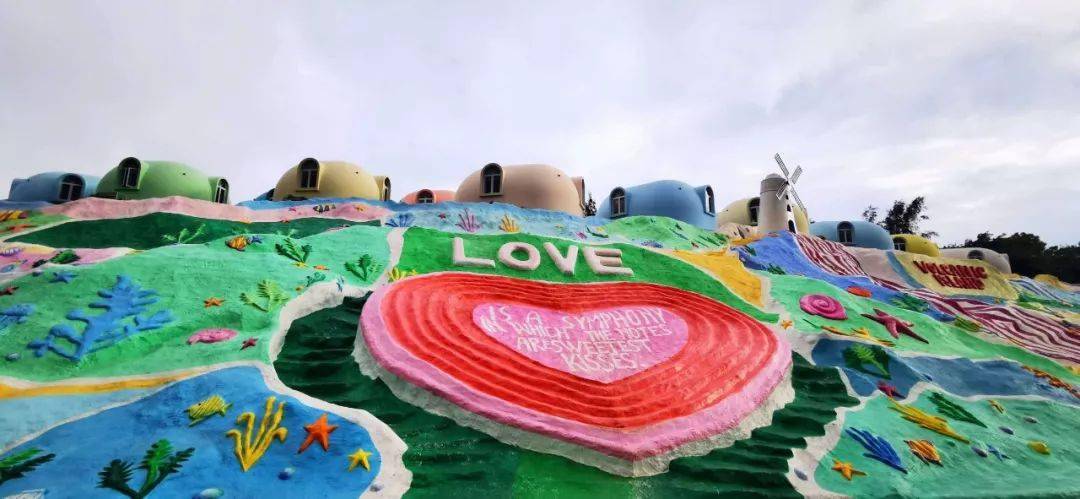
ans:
x=467 y=222
x=402 y=220
x=250 y=446
x=268 y=296
x=17 y=465
x=159 y=462
x=877 y=448
x=125 y=299
x=364 y=267
x=294 y=252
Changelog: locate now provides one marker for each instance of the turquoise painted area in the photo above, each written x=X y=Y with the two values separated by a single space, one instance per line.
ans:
x=963 y=473
x=48 y=411
x=86 y=446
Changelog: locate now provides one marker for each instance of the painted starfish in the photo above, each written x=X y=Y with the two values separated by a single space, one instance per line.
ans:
x=213 y=301
x=8 y=291
x=846 y=469
x=319 y=430
x=359 y=457
x=63 y=276
x=250 y=342
x=888 y=390
x=894 y=325
x=786 y=324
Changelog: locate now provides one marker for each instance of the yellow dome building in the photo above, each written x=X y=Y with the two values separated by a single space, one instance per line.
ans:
x=745 y=212
x=528 y=186
x=312 y=178
x=915 y=244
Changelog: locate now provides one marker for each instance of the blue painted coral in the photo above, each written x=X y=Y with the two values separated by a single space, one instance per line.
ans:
x=125 y=299
x=15 y=314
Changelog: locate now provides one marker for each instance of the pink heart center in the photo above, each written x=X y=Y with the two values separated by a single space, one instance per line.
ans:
x=601 y=345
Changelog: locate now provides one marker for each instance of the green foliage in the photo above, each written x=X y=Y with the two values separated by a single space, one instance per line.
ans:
x=711 y=239
x=953 y=410
x=775 y=269
x=966 y=324
x=902 y=218
x=158 y=463
x=64 y=256
x=912 y=303
x=857 y=356
x=293 y=252
x=364 y=267
x=184 y=236
x=18 y=465
x=314 y=278
x=270 y=292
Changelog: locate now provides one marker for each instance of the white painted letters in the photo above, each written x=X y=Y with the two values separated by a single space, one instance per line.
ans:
x=464 y=261
x=606 y=261
x=506 y=255
x=602 y=261
x=565 y=264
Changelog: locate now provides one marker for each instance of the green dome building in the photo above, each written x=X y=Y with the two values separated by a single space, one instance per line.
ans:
x=134 y=178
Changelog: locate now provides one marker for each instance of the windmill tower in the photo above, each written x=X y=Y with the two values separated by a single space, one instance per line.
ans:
x=775 y=212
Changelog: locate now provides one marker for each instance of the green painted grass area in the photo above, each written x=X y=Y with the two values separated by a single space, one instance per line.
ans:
x=671 y=233
x=446 y=458
x=964 y=473
x=945 y=339
x=162 y=229
x=184 y=276
x=428 y=251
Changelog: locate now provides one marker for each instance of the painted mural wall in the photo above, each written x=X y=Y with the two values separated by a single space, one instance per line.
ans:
x=340 y=347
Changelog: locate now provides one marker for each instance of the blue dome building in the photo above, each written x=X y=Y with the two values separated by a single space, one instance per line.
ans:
x=53 y=187
x=666 y=198
x=857 y=233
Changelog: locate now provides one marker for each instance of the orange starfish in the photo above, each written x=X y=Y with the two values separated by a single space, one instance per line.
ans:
x=846 y=469
x=319 y=430
x=213 y=301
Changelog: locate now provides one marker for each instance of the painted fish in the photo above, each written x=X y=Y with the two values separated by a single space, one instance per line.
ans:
x=209 y=406
x=211 y=336
x=7 y=215
x=925 y=450
x=238 y=243
x=323 y=208
x=997 y=407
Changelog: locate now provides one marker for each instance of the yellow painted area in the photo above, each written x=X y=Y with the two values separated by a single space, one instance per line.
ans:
x=995 y=284
x=916 y=244
x=10 y=392
x=1053 y=281
x=725 y=266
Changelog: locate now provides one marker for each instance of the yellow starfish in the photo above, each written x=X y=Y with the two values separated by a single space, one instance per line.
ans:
x=846 y=469
x=359 y=457
x=300 y=265
x=213 y=301
x=786 y=324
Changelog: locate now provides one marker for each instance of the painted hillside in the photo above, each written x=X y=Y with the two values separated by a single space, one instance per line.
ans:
x=338 y=348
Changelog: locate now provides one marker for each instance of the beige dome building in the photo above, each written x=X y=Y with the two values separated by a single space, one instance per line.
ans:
x=745 y=212
x=312 y=178
x=999 y=261
x=528 y=186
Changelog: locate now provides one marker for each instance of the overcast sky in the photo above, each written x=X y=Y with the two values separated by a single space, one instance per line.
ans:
x=976 y=106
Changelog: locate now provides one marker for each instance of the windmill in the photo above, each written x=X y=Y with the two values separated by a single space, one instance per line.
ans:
x=789 y=182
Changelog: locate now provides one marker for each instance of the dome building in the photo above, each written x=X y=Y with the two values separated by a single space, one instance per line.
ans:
x=857 y=233
x=134 y=178
x=915 y=244
x=53 y=187
x=428 y=196
x=667 y=198
x=999 y=261
x=745 y=212
x=528 y=186
x=312 y=178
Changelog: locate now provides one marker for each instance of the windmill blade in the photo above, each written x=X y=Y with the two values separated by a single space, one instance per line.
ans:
x=783 y=191
x=797 y=200
x=795 y=176
x=780 y=162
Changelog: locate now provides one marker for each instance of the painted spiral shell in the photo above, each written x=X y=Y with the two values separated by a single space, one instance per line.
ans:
x=822 y=305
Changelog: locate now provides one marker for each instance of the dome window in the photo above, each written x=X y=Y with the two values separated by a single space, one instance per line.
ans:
x=491 y=180
x=791 y=226
x=710 y=201
x=71 y=188
x=753 y=207
x=899 y=244
x=425 y=197
x=386 y=189
x=130 y=169
x=309 y=173
x=976 y=255
x=221 y=192
x=845 y=233
x=618 y=202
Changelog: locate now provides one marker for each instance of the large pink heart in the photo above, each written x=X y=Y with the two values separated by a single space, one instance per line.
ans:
x=601 y=345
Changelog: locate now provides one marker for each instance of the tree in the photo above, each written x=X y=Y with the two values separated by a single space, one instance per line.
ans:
x=590 y=207
x=902 y=218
